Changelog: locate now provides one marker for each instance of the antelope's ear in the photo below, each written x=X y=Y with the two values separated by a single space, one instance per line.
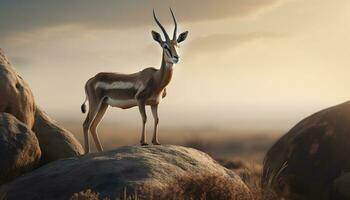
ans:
x=156 y=36
x=182 y=37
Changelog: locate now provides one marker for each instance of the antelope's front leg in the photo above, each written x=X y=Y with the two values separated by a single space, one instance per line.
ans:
x=156 y=120
x=142 y=109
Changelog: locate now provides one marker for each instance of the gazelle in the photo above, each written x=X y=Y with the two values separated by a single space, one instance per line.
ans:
x=146 y=87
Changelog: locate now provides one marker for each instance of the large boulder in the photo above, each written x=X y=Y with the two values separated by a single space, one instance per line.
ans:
x=341 y=187
x=16 y=97
x=108 y=173
x=55 y=141
x=19 y=148
x=306 y=160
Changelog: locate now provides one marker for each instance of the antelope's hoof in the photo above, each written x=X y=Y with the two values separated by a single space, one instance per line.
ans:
x=155 y=143
x=144 y=143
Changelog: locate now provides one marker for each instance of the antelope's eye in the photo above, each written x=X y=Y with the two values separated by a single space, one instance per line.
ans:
x=166 y=47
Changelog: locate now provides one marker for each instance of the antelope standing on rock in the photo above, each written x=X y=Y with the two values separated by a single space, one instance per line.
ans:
x=146 y=87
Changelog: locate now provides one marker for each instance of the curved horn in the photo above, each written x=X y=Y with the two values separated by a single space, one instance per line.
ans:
x=161 y=27
x=175 y=29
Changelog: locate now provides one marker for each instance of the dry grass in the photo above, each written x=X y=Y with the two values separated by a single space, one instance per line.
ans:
x=251 y=174
x=199 y=187
x=86 y=195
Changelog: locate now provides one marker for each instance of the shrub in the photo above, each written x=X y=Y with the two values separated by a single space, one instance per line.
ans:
x=86 y=195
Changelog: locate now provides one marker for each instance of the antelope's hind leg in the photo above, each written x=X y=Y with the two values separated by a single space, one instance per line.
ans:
x=93 y=108
x=154 y=109
x=101 y=110
x=142 y=109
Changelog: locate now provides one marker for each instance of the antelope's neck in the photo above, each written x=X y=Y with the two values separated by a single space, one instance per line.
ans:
x=166 y=73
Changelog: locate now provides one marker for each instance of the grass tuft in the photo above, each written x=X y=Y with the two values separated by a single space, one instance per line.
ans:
x=199 y=187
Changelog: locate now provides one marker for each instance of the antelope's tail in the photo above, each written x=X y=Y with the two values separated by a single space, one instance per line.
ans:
x=83 y=106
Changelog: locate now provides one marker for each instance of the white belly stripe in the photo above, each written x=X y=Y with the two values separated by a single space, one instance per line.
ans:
x=121 y=103
x=115 y=85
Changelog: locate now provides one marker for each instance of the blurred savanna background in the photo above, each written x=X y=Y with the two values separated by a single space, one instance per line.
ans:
x=248 y=71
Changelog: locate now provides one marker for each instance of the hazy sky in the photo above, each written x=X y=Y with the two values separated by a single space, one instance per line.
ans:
x=246 y=63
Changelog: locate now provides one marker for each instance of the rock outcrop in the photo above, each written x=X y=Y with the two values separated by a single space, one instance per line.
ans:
x=55 y=141
x=108 y=173
x=306 y=160
x=17 y=99
x=341 y=187
x=19 y=148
